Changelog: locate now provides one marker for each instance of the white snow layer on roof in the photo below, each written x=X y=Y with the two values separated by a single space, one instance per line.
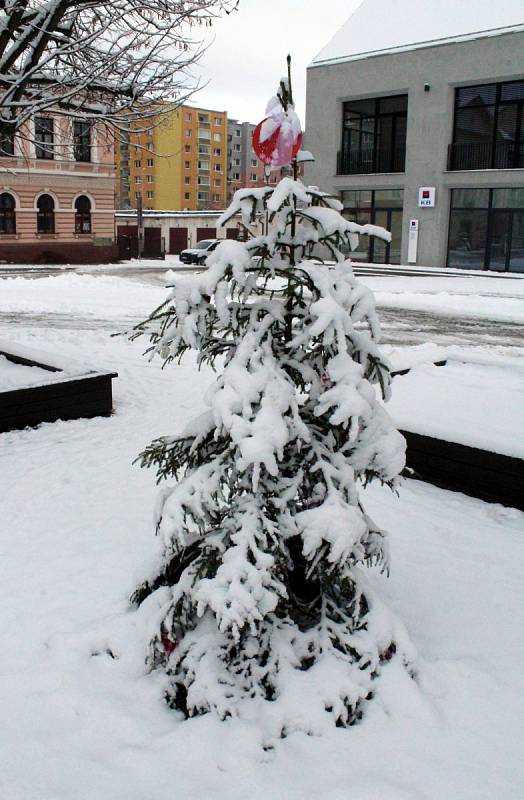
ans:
x=379 y=26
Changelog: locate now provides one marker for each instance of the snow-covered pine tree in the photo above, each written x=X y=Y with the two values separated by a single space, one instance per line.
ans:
x=258 y=600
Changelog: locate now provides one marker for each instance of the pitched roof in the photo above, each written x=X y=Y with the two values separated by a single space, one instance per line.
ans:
x=381 y=26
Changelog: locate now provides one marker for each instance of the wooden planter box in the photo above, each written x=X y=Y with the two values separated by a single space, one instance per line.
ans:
x=491 y=476
x=64 y=397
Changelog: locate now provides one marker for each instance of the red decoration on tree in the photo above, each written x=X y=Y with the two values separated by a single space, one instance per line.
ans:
x=280 y=147
x=167 y=643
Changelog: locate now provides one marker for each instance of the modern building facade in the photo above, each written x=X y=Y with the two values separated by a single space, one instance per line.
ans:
x=179 y=161
x=57 y=182
x=418 y=125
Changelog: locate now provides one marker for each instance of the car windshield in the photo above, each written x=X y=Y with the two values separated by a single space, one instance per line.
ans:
x=203 y=244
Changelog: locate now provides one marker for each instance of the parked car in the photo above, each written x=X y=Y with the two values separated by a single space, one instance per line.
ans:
x=199 y=253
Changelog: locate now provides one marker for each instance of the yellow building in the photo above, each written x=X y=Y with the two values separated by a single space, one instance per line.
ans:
x=178 y=163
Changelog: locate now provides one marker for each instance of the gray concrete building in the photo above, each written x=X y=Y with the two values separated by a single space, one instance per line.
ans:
x=416 y=122
x=244 y=170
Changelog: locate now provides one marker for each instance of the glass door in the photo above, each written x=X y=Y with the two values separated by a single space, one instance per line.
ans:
x=500 y=240
x=388 y=252
x=380 y=247
x=516 y=256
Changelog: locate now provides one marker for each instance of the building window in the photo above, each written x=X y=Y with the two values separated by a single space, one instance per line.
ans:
x=218 y=120
x=236 y=162
x=237 y=148
x=203 y=149
x=216 y=198
x=138 y=163
x=187 y=179
x=150 y=162
x=217 y=151
x=150 y=146
x=7 y=143
x=7 y=213
x=217 y=182
x=138 y=179
x=82 y=214
x=188 y=116
x=187 y=132
x=149 y=195
x=238 y=132
x=187 y=164
x=203 y=195
x=486 y=229
x=379 y=207
x=203 y=165
x=236 y=176
x=44 y=137
x=373 y=136
x=203 y=118
x=138 y=194
x=217 y=137
x=187 y=196
x=82 y=140
x=203 y=180
x=217 y=167
x=187 y=148
x=149 y=179
x=488 y=130
x=254 y=176
x=45 y=218
x=253 y=162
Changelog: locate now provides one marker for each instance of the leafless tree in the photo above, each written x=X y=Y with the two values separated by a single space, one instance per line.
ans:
x=117 y=62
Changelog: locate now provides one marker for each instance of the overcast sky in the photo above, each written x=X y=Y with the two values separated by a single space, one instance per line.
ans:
x=248 y=56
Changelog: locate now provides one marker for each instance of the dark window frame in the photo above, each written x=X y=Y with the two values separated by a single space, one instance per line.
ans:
x=45 y=217
x=389 y=158
x=494 y=152
x=44 y=138
x=83 y=219
x=490 y=210
x=372 y=210
x=82 y=140
x=7 y=143
x=7 y=214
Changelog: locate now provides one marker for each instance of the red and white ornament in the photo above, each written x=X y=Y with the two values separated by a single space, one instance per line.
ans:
x=278 y=138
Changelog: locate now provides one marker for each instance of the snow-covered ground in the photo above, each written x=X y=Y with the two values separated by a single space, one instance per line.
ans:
x=81 y=718
x=15 y=376
x=479 y=404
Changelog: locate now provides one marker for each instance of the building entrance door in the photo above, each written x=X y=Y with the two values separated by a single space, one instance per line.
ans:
x=506 y=250
x=388 y=252
x=516 y=259
x=500 y=245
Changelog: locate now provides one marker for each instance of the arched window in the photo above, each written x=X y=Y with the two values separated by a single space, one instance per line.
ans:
x=7 y=213
x=46 y=214
x=82 y=214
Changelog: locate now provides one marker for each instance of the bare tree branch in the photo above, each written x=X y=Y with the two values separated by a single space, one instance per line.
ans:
x=119 y=62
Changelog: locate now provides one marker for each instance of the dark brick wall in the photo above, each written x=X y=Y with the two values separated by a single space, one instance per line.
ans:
x=52 y=252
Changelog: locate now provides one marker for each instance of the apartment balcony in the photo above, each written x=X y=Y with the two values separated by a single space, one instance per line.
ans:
x=204 y=134
x=371 y=160
x=485 y=155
